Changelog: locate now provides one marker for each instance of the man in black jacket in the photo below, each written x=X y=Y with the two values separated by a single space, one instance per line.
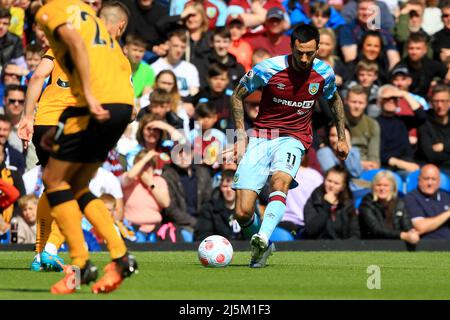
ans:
x=10 y=45
x=151 y=21
x=396 y=151
x=189 y=188
x=434 y=134
x=217 y=215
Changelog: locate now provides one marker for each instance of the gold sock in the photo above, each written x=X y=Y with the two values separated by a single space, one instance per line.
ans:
x=56 y=237
x=44 y=221
x=68 y=215
x=98 y=215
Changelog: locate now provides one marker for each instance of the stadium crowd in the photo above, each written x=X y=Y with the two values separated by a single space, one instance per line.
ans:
x=391 y=60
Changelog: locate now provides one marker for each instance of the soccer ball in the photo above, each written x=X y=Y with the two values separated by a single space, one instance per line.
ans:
x=215 y=251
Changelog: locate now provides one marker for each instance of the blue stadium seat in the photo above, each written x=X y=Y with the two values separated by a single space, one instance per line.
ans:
x=280 y=234
x=187 y=236
x=413 y=178
x=368 y=175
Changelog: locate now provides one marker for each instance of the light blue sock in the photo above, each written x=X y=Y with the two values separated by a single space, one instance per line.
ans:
x=251 y=227
x=273 y=213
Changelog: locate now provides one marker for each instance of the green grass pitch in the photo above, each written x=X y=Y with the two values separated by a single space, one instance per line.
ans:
x=290 y=275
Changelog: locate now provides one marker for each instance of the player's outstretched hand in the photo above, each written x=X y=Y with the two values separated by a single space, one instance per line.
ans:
x=342 y=149
x=25 y=131
x=96 y=109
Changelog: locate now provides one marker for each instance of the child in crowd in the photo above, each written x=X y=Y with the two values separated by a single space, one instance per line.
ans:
x=27 y=220
x=366 y=76
x=259 y=55
x=220 y=42
x=217 y=94
x=33 y=56
x=208 y=142
x=121 y=226
x=142 y=73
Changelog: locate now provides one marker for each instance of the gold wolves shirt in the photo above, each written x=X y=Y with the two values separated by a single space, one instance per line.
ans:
x=288 y=96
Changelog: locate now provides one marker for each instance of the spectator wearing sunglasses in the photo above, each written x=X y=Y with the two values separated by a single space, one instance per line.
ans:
x=395 y=151
x=13 y=106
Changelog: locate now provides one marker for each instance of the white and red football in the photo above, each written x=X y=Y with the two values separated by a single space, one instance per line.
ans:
x=215 y=251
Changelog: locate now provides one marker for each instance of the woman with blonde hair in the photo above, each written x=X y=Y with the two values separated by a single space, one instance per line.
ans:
x=196 y=22
x=326 y=53
x=383 y=215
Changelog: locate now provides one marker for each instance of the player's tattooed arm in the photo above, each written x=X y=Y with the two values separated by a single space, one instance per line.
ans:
x=237 y=106
x=237 y=109
x=337 y=109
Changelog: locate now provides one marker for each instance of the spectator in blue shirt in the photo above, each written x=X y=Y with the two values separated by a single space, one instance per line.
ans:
x=352 y=33
x=429 y=207
x=350 y=11
x=298 y=14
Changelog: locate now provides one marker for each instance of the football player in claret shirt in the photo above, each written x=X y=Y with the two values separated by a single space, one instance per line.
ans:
x=99 y=76
x=281 y=133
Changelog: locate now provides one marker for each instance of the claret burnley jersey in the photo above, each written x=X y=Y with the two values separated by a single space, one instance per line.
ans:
x=288 y=96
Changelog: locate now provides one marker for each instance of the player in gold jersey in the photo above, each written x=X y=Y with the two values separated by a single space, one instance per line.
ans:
x=99 y=76
x=56 y=97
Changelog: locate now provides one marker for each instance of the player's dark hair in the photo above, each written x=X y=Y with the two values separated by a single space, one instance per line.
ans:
x=305 y=33
x=321 y=7
x=4 y=13
x=216 y=69
x=222 y=32
x=14 y=87
x=136 y=40
x=205 y=110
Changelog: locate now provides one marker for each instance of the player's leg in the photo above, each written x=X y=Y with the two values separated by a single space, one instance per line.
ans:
x=65 y=209
x=67 y=215
x=45 y=242
x=245 y=215
x=101 y=138
x=250 y=177
x=49 y=257
x=96 y=212
x=286 y=154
